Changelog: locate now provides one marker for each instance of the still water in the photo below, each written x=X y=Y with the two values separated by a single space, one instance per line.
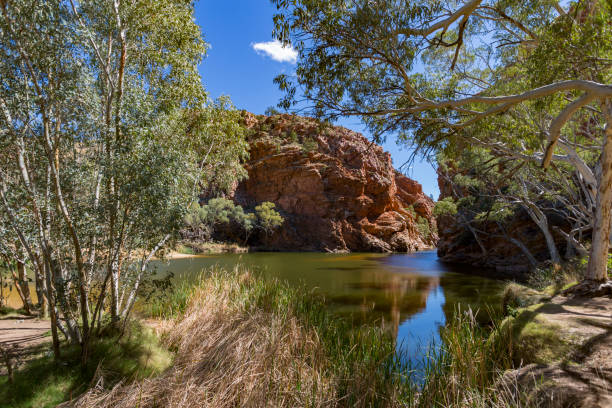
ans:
x=413 y=295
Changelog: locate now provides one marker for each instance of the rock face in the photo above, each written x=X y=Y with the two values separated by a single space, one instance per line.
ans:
x=336 y=190
x=457 y=244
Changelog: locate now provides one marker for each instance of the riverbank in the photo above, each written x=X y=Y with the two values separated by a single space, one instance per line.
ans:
x=563 y=350
x=244 y=341
x=190 y=248
x=240 y=340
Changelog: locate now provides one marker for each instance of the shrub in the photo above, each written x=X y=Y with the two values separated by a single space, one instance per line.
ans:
x=222 y=217
x=293 y=137
x=268 y=219
x=272 y=111
x=309 y=145
x=423 y=228
x=411 y=210
x=445 y=207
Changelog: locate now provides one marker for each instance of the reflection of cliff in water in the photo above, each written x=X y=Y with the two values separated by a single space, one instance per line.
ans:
x=437 y=292
x=385 y=299
x=411 y=295
x=482 y=295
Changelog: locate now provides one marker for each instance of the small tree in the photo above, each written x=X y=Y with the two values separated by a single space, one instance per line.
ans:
x=268 y=219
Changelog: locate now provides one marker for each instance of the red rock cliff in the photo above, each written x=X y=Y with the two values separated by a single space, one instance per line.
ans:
x=458 y=244
x=336 y=190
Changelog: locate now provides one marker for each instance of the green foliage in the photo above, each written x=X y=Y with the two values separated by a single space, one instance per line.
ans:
x=423 y=227
x=445 y=207
x=310 y=145
x=272 y=111
x=552 y=279
x=465 y=181
x=500 y=85
x=268 y=218
x=222 y=214
x=498 y=212
x=111 y=96
x=293 y=137
x=45 y=383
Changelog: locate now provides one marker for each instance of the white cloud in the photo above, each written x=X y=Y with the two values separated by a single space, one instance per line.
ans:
x=276 y=51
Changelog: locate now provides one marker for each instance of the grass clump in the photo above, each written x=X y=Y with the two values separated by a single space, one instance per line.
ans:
x=6 y=311
x=470 y=360
x=45 y=383
x=184 y=249
x=536 y=340
x=552 y=279
x=518 y=296
x=243 y=341
x=169 y=304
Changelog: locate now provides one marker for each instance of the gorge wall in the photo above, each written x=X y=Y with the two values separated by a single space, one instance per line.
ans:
x=335 y=189
x=494 y=248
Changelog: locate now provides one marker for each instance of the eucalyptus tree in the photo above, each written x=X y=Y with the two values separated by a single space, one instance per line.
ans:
x=107 y=134
x=489 y=190
x=434 y=71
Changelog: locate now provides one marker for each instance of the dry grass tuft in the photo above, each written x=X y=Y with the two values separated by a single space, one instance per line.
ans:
x=232 y=350
x=245 y=342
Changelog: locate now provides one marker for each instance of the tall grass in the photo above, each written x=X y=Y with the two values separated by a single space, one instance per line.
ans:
x=466 y=369
x=243 y=341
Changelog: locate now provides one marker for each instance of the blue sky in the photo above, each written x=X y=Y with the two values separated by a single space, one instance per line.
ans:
x=233 y=67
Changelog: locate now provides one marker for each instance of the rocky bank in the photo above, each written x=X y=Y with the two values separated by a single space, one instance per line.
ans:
x=336 y=190
x=493 y=249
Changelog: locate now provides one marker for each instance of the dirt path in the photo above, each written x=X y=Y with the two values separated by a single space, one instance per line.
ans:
x=583 y=378
x=22 y=337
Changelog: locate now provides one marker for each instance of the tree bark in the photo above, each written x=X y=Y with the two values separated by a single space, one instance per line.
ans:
x=52 y=311
x=532 y=261
x=24 y=286
x=597 y=269
x=542 y=222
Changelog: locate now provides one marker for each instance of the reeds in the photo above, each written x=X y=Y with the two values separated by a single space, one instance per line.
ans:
x=245 y=342
x=242 y=341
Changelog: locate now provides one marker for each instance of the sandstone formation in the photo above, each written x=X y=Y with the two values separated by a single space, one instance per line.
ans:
x=457 y=244
x=336 y=190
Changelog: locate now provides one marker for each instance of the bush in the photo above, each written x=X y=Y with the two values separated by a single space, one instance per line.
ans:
x=423 y=227
x=272 y=111
x=221 y=216
x=310 y=145
x=410 y=209
x=445 y=207
x=268 y=219
x=293 y=137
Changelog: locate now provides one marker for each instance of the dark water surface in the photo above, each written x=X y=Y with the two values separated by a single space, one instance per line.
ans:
x=411 y=294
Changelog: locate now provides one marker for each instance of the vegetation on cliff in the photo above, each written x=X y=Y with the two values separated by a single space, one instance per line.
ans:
x=220 y=218
x=336 y=190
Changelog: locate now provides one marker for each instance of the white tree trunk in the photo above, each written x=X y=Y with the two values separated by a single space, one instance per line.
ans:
x=597 y=269
x=542 y=222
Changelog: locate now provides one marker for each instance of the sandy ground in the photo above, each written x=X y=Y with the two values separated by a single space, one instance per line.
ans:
x=583 y=379
x=22 y=337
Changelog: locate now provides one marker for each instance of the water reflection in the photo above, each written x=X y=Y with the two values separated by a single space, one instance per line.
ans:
x=412 y=295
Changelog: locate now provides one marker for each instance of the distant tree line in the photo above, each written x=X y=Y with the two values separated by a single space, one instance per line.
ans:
x=221 y=218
